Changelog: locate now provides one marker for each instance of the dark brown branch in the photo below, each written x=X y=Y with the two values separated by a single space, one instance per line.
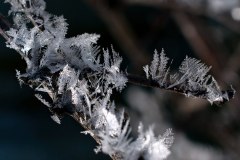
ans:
x=141 y=81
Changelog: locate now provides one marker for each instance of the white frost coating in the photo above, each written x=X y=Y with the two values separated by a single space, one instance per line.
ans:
x=158 y=69
x=112 y=65
x=111 y=121
x=157 y=151
x=79 y=90
x=67 y=79
x=56 y=119
x=146 y=70
x=153 y=148
x=23 y=39
x=70 y=74
x=156 y=148
x=115 y=139
x=192 y=79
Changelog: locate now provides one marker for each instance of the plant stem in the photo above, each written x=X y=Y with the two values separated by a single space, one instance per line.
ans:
x=142 y=81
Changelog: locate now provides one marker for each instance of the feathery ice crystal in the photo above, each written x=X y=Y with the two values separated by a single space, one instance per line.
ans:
x=192 y=79
x=74 y=76
x=69 y=76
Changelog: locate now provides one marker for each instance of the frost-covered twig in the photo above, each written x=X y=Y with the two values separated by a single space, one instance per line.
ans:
x=142 y=81
x=76 y=77
x=70 y=76
x=192 y=79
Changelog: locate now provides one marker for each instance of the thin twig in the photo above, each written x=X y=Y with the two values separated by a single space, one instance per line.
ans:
x=141 y=81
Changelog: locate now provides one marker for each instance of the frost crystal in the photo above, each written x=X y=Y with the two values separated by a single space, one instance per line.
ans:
x=72 y=77
x=192 y=79
x=56 y=119
x=158 y=68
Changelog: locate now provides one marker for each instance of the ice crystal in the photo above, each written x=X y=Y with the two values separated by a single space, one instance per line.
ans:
x=71 y=76
x=192 y=79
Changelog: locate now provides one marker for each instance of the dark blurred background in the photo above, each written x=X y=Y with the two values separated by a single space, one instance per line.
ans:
x=209 y=31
